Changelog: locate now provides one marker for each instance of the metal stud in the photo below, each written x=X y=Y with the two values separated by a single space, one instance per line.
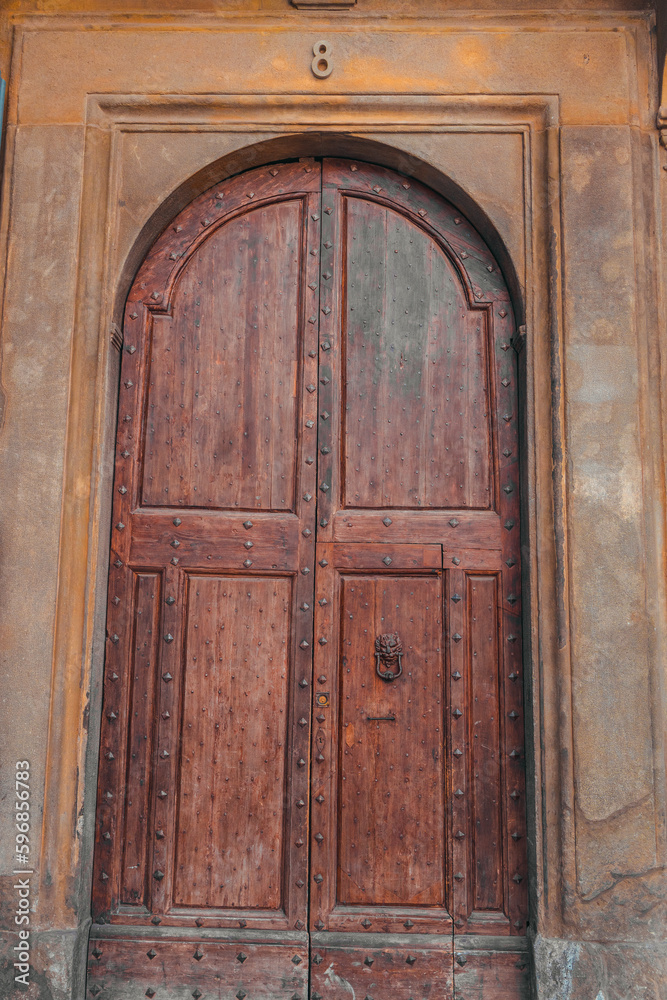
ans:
x=460 y=835
x=508 y=489
x=516 y=836
x=311 y=387
x=457 y=638
x=247 y=525
x=457 y=713
x=198 y=955
x=507 y=452
x=317 y=959
x=310 y=424
x=307 y=497
x=151 y=954
x=322 y=641
x=248 y=544
x=296 y=960
x=456 y=560
x=513 y=715
x=411 y=959
x=167 y=677
x=170 y=600
x=459 y=876
x=517 y=878
x=168 y=637
x=319 y=838
x=458 y=752
x=110 y=755
x=386 y=521
x=512 y=599
x=303 y=683
x=114 y=638
x=241 y=994
x=158 y=875
x=461 y=959
x=120 y=526
x=318 y=878
x=456 y=598
x=196 y=993
x=320 y=799
x=118 y=563
x=505 y=382
x=324 y=487
x=300 y=803
x=95 y=990
x=162 y=794
x=368 y=961
x=422 y=212
x=509 y=525
x=241 y=957
x=103 y=877
x=300 y=762
x=175 y=543
x=514 y=754
x=319 y=925
x=514 y=794
x=502 y=313
x=387 y=560
x=453 y=522
x=408 y=925
x=150 y=992
x=458 y=793
x=303 y=722
x=97 y=952
x=366 y=923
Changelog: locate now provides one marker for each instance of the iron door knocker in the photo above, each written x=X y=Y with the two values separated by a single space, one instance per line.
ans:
x=388 y=652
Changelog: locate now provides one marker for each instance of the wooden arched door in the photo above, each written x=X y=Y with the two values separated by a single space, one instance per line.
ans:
x=311 y=766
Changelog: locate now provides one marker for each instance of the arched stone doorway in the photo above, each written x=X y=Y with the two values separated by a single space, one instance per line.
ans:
x=311 y=766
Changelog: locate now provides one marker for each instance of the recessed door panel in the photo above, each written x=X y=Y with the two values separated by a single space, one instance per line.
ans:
x=223 y=369
x=416 y=414
x=233 y=747
x=391 y=781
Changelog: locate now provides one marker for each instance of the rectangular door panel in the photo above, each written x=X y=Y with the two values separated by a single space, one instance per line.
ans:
x=178 y=965
x=392 y=773
x=382 y=966
x=379 y=787
x=232 y=778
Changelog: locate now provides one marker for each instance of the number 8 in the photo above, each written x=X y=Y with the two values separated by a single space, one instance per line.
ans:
x=322 y=64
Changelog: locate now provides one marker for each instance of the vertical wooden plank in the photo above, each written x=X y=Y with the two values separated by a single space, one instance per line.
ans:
x=460 y=836
x=485 y=750
x=141 y=737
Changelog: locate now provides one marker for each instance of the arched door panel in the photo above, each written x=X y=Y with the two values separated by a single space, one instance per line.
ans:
x=311 y=768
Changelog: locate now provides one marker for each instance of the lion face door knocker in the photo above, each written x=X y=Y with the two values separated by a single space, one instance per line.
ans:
x=388 y=654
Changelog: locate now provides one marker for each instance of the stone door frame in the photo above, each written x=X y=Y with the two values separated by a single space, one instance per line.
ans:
x=400 y=132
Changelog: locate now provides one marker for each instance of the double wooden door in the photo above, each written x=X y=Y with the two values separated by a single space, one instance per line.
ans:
x=311 y=763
